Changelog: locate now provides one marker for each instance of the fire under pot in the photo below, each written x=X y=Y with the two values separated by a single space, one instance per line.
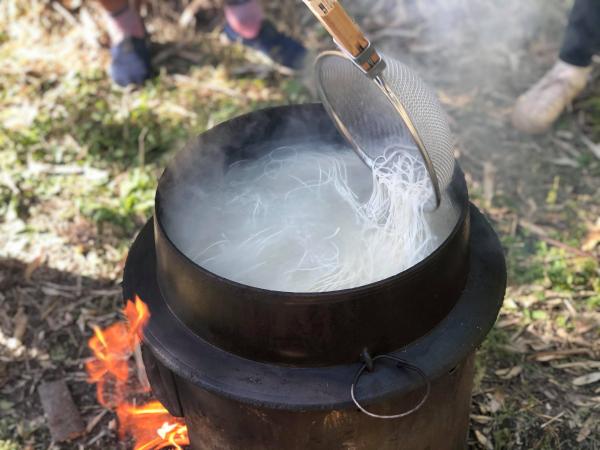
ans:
x=250 y=368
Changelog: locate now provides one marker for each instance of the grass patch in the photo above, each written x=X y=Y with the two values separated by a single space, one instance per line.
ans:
x=493 y=350
x=9 y=445
x=125 y=136
x=531 y=261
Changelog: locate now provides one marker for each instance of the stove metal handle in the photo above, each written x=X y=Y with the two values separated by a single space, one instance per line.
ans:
x=401 y=364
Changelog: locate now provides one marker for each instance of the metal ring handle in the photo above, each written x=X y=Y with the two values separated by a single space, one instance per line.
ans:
x=400 y=364
x=394 y=101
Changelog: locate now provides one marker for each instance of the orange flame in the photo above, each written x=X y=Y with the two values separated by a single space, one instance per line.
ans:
x=150 y=425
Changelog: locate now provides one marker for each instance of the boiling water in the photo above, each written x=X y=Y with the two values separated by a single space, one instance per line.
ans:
x=310 y=219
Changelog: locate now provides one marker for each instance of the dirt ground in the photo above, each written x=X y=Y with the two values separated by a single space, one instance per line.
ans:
x=79 y=161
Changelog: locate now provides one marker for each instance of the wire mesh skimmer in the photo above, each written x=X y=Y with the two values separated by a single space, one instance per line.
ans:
x=378 y=102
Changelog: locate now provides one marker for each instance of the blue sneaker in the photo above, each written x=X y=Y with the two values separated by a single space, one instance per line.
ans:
x=279 y=47
x=130 y=61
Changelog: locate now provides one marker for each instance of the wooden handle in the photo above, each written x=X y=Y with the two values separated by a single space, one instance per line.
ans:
x=341 y=27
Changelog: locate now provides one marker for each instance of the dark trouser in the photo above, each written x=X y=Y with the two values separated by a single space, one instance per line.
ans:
x=582 y=38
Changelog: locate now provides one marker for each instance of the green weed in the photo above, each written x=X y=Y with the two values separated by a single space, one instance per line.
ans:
x=8 y=445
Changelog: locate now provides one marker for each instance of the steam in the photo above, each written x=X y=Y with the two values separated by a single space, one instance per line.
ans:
x=312 y=219
x=467 y=44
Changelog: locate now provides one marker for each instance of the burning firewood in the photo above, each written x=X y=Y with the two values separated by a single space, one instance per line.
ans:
x=149 y=425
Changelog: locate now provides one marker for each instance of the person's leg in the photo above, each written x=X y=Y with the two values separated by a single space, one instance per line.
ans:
x=582 y=38
x=245 y=17
x=122 y=20
x=246 y=24
x=538 y=108
x=130 y=55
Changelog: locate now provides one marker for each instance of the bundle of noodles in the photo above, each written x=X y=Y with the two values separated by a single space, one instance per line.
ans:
x=302 y=220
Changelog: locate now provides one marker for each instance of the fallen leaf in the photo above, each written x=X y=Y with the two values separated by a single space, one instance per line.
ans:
x=586 y=365
x=506 y=323
x=481 y=419
x=560 y=354
x=587 y=379
x=519 y=346
x=566 y=162
x=483 y=440
x=586 y=429
x=549 y=394
x=509 y=373
x=592 y=239
x=20 y=323
x=594 y=148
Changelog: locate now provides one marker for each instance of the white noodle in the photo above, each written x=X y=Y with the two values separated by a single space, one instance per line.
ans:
x=303 y=220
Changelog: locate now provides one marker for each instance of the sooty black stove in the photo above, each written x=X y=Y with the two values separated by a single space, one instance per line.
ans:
x=250 y=368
